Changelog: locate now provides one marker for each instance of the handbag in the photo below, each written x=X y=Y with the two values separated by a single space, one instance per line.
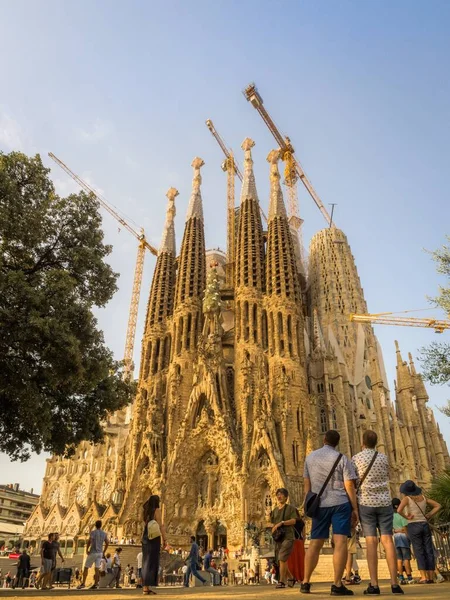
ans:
x=312 y=500
x=280 y=532
x=366 y=472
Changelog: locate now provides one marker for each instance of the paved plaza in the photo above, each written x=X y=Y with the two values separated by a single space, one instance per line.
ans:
x=261 y=592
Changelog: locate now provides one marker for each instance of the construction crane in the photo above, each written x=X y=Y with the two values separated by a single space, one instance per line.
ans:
x=294 y=169
x=143 y=245
x=439 y=325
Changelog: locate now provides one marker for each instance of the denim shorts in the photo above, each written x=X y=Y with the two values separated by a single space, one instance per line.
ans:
x=376 y=518
x=339 y=517
x=403 y=553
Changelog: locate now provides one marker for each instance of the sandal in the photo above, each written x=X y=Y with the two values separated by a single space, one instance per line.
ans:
x=291 y=582
x=280 y=586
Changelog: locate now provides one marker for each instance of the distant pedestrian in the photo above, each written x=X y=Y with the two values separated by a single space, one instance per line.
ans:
x=419 y=531
x=209 y=568
x=45 y=576
x=402 y=544
x=116 y=569
x=225 y=571
x=56 y=548
x=139 y=569
x=153 y=536
x=23 y=570
x=375 y=509
x=283 y=518
x=95 y=550
x=331 y=476
x=192 y=563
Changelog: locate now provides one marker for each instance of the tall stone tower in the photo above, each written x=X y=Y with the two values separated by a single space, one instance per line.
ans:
x=238 y=381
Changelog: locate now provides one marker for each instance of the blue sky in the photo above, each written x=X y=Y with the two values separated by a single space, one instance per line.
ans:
x=120 y=91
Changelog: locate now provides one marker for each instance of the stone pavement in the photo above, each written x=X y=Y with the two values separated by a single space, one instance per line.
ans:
x=261 y=592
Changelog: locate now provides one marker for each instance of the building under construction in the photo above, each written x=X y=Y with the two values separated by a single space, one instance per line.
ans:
x=242 y=370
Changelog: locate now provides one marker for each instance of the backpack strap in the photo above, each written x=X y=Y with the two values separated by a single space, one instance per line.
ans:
x=330 y=475
x=366 y=472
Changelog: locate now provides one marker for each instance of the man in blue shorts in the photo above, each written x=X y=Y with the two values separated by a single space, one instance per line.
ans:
x=338 y=509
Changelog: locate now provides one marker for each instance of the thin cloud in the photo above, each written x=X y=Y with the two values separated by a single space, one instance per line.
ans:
x=11 y=136
x=97 y=132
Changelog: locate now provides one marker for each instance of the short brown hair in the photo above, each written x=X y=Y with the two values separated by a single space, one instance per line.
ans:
x=370 y=439
x=332 y=438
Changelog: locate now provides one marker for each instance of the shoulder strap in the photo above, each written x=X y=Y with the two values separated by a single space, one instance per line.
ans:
x=366 y=472
x=284 y=512
x=330 y=475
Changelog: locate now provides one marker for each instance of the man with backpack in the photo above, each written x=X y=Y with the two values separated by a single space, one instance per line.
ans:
x=329 y=484
x=375 y=509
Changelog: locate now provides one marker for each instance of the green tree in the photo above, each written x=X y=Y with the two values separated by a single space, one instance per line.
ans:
x=435 y=358
x=440 y=491
x=58 y=380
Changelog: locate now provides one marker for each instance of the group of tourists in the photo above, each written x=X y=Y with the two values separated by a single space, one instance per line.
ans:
x=339 y=493
x=346 y=495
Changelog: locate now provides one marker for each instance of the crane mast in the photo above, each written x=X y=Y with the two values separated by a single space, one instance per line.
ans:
x=439 y=325
x=252 y=95
x=138 y=271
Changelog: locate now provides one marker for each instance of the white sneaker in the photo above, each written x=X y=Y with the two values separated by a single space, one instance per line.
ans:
x=440 y=578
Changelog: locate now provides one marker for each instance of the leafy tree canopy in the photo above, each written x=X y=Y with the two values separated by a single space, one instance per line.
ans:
x=435 y=358
x=58 y=381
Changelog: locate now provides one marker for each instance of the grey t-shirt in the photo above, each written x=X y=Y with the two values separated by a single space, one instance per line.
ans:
x=98 y=537
x=318 y=465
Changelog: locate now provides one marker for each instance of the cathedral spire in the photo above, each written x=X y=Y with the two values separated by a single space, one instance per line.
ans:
x=248 y=183
x=160 y=304
x=276 y=203
x=282 y=278
x=412 y=366
x=195 y=208
x=168 y=236
x=191 y=277
x=249 y=272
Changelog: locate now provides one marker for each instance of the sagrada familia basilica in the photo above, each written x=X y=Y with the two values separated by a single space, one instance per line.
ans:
x=243 y=367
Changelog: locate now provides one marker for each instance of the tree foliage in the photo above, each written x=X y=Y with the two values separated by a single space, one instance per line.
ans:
x=58 y=381
x=440 y=491
x=435 y=358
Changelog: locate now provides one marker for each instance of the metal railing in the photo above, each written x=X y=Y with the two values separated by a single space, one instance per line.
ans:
x=441 y=539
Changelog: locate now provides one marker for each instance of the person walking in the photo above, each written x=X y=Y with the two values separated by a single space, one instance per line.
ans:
x=331 y=476
x=419 y=531
x=95 y=550
x=45 y=576
x=56 y=548
x=375 y=509
x=154 y=533
x=283 y=518
x=192 y=562
x=402 y=545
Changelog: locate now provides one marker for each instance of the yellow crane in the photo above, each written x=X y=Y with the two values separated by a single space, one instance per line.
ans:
x=143 y=245
x=292 y=172
x=294 y=169
x=387 y=318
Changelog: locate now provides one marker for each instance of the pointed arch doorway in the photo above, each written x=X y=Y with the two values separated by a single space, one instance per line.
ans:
x=201 y=537
x=220 y=536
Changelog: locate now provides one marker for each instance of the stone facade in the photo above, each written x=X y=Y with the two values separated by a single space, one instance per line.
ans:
x=239 y=379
